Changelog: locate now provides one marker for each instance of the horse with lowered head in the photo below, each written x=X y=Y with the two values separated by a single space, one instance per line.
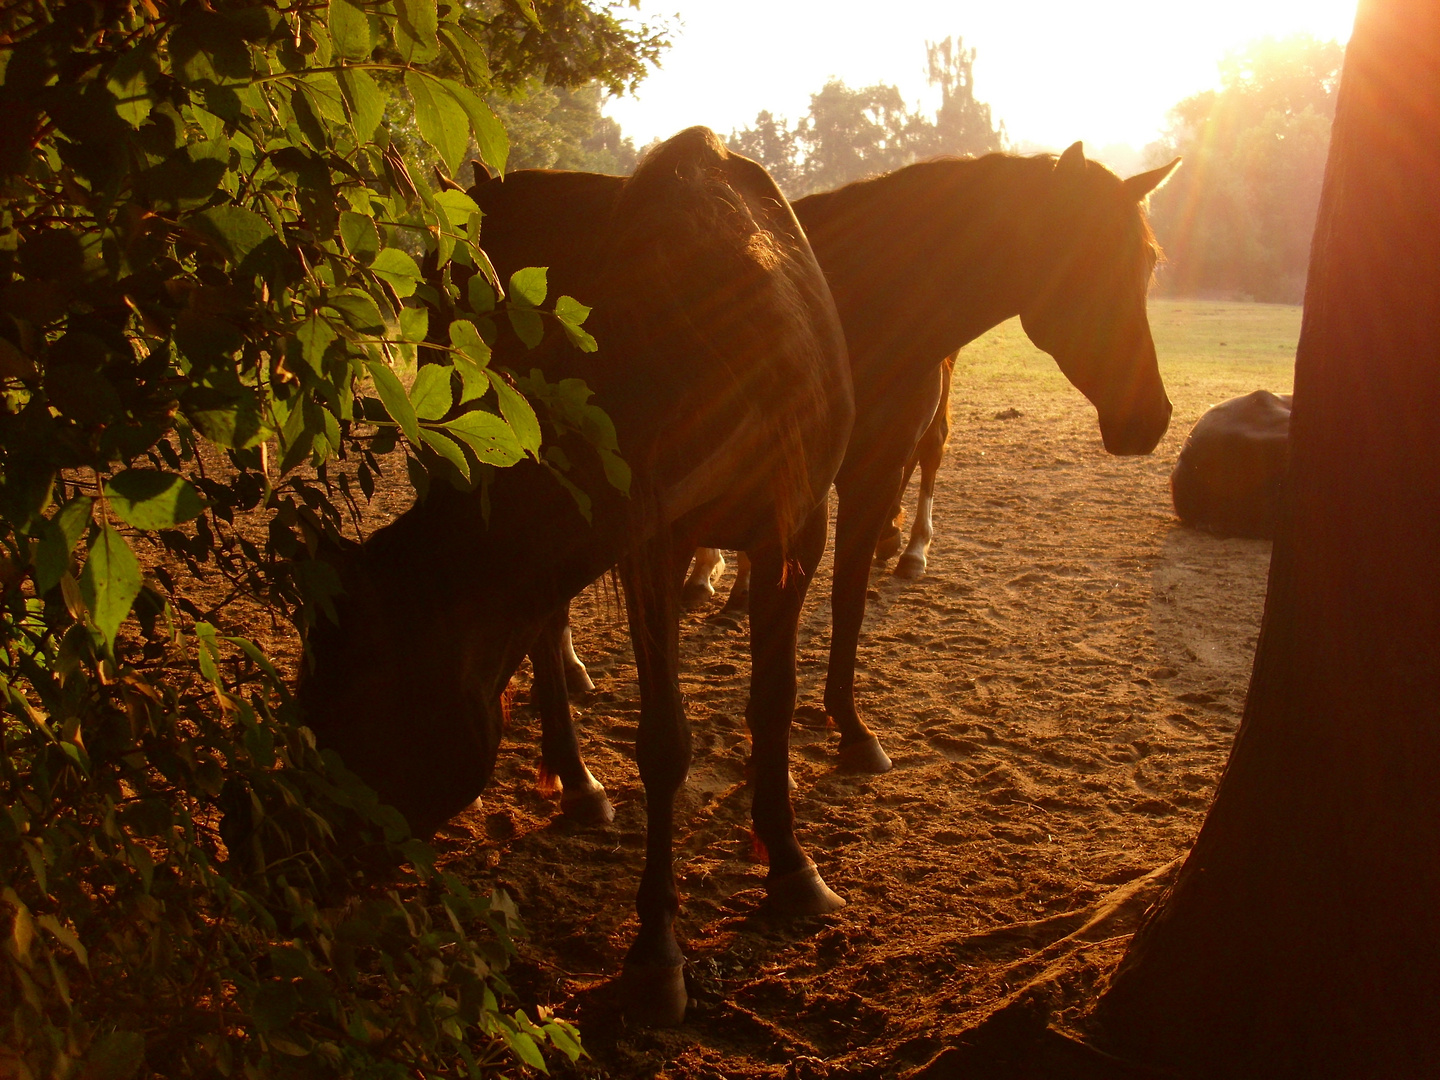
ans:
x=722 y=365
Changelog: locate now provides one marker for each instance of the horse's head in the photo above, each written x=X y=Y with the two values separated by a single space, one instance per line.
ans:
x=1093 y=261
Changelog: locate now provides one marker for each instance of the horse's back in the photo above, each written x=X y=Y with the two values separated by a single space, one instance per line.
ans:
x=734 y=365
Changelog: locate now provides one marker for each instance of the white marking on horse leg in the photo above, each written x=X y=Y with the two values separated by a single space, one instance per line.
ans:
x=706 y=571
x=912 y=564
x=576 y=677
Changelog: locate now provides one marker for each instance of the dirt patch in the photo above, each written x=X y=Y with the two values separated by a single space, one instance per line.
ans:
x=1058 y=695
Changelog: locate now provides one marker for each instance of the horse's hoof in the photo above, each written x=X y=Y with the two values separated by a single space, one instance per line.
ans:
x=654 y=996
x=587 y=807
x=737 y=603
x=802 y=892
x=910 y=567
x=696 y=595
x=867 y=756
x=887 y=548
x=577 y=679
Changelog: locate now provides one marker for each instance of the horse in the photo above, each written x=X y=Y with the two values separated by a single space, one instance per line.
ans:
x=922 y=261
x=1231 y=471
x=722 y=365
x=710 y=565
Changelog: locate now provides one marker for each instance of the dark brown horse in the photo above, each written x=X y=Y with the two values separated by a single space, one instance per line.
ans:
x=723 y=367
x=922 y=261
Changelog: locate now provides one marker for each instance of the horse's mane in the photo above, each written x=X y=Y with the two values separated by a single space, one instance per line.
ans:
x=1020 y=169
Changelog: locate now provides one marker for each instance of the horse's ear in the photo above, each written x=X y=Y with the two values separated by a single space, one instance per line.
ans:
x=1072 y=161
x=1142 y=184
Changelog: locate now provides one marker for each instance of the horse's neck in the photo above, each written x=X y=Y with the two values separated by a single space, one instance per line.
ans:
x=928 y=258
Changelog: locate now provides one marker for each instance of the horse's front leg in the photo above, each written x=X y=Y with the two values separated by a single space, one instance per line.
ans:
x=777 y=592
x=582 y=797
x=653 y=982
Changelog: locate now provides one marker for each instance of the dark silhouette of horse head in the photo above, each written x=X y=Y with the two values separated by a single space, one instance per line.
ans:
x=1094 y=256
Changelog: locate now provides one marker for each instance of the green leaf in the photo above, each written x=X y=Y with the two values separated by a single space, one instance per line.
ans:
x=414 y=324
x=490 y=136
x=617 y=471
x=362 y=238
x=442 y=122
x=448 y=449
x=526 y=1050
x=315 y=335
x=233 y=229
x=129 y=81
x=322 y=90
x=415 y=25
x=392 y=395
x=528 y=325
x=488 y=435
x=398 y=270
x=480 y=295
x=465 y=337
x=365 y=99
x=517 y=412
x=208 y=653
x=430 y=393
x=351 y=31
x=58 y=540
x=358 y=309
x=147 y=499
x=468 y=53
x=572 y=314
x=238 y=424
x=528 y=286
x=110 y=581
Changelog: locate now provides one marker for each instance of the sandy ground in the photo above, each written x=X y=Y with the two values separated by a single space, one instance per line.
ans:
x=1059 y=695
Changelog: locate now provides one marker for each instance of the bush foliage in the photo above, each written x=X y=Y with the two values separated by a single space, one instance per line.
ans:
x=212 y=219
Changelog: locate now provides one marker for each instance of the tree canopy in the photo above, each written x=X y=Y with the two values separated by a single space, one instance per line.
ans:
x=212 y=221
x=1238 y=218
x=849 y=134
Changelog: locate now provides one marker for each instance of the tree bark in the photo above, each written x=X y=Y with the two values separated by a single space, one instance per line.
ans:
x=1302 y=936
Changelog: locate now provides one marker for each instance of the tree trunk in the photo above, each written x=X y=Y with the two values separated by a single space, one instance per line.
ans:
x=1302 y=936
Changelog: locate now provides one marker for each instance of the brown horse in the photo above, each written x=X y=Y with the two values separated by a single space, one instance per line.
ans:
x=928 y=455
x=922 y=261
x=723 y=367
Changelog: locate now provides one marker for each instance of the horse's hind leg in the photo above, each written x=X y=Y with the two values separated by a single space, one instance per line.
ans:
x=582 y=798
x=739 y=598
x=929 y=453
x=777 y=593
x=889 y=542
x=700 y=585
x=911 y=565
x=653 y=983
x=577 y=679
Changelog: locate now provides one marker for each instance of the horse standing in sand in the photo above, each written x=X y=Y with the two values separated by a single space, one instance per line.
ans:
x=722 y=365
x=922 y=261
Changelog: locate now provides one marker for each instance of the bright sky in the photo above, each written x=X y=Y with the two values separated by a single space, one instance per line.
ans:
x=1054 y=71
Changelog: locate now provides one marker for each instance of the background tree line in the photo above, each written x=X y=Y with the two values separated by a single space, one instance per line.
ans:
x=849 y=134
x=1237 y=218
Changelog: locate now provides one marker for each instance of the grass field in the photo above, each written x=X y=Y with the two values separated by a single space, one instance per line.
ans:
x=1209 y=351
